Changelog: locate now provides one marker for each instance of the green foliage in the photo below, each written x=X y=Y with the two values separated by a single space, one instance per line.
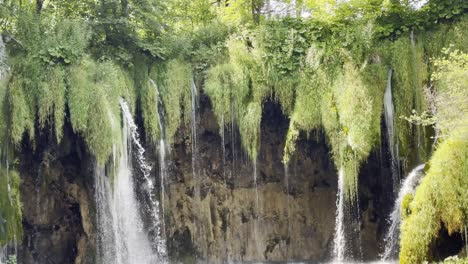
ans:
x=249 y=127
x=410 y=74
x=237 y=90
x=176 y=80
x=440 y=198
x=347 y=116
x=307 y=110
x=284 y=46
x=451 y=79
x=11 y=221
x=93 y=99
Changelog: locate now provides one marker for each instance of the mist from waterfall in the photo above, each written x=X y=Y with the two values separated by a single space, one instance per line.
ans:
x=339 y=240
x=122 y=235
x=389 y=114
x=392 y=237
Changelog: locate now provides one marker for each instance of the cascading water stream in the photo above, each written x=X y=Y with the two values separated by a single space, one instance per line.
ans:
x=122 y=237
x=286 y=182
x=393 y=234
x=339 y=240
x=389 y=113
x=162 y=147
x=7 y=252
x=156 y=226
x=257 y=209
x=4 y=68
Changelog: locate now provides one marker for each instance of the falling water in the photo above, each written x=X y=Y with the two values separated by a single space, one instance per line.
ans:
x=193 y=125
x=7 y=252
x=393 y=234
x=339 y=241
x=389 y=112
x=122 y=236
x=223 y=147
x=152 y=208
x=4 y=68
x=257 y=210
x=286 y=182
x=3 y=254
x=162 y=147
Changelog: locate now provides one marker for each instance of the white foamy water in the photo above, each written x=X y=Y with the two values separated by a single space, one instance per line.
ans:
x=339 y=240
x=122 y=237
x=389 y=114
x=393 y=235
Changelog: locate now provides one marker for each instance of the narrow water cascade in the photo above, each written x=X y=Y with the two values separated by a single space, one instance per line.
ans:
x=194 y=104
x=4 y=68
x=3 y=254
x=288 y=210
x=339 y=240
x=389 y=114
x=392 y=237
x=122 y=236
x=162 y=149
x=8 y=252
x=258 y=215
x=156 y=223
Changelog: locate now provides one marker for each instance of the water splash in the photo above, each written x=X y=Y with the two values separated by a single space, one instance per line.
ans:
x=122 y=238
x=393 y=234
x=389 y=113
x=339 y=240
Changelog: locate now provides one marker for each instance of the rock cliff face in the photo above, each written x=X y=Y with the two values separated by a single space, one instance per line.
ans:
x=295 y=215
x=57 y=194
x=216 y=215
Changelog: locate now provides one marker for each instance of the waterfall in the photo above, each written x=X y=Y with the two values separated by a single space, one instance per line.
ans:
x=4 y=68
x=389 y=113
x=3 y=254
x=193 y=126
x=257 y=209
x=122 y=237
x=8 y=251
x=286 y=183
x=393 y=235
x=162 y=147
x=339 y=240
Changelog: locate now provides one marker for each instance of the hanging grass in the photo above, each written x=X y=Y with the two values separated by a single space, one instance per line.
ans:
x=347 y=116
x=176 y=95
x=93 y=98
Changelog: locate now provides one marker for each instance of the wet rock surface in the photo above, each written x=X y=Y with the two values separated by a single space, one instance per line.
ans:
x=214 y=215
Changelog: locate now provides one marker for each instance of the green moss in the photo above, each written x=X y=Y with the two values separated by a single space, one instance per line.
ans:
x=11 y=221
x=440 y=198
